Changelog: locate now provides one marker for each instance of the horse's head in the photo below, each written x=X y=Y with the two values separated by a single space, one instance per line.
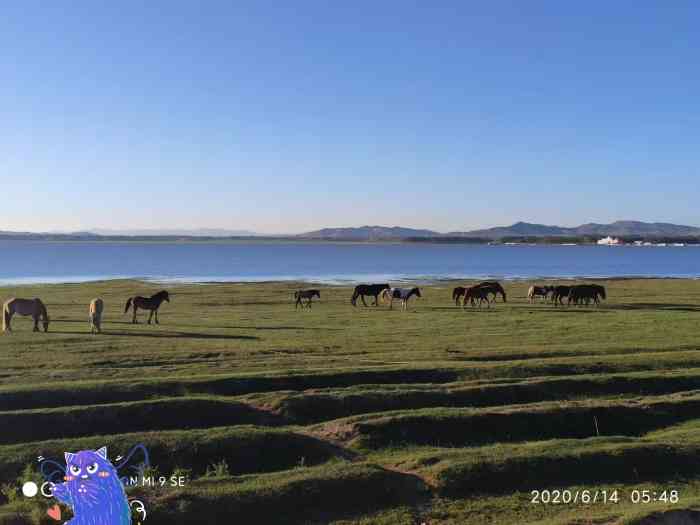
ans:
x=164 y=295
x=416 y=291
x=384 y=286
x=317 y=293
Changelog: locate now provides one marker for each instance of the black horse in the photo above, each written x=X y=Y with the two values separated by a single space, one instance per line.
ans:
x=371 y=290
x=305 y=294
x=559 y=293
x=585 y=293
x=147 y=303
x=493 y=288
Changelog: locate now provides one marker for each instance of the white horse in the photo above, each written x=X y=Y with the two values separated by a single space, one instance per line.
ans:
x=538 y=291
x=33 y=307
x=95 y=315
x=401 y=294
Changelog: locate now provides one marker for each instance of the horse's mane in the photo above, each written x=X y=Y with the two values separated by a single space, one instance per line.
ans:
x=162 y=293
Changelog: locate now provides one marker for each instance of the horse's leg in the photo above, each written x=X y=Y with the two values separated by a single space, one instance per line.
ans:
x=133 y=319
x=157 y=321
x=363 y=300
x=150 y=316
x=36 y=323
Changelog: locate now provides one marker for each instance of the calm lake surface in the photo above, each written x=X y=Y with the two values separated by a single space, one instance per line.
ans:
x=34 y=262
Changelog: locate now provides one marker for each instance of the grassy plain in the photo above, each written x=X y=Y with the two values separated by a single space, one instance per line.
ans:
x=349 y=415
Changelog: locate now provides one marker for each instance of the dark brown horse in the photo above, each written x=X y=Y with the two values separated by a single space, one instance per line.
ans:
x=305 y=294
x=457 y=294
x=147 y=303
x=371 y=290
x=476 y=293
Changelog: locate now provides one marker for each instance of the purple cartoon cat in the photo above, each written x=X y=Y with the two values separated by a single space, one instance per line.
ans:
x=93 y=490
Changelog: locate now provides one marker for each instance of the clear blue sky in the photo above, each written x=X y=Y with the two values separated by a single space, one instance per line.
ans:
x=288 y=116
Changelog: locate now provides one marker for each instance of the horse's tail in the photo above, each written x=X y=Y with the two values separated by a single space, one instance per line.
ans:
x=128 y=304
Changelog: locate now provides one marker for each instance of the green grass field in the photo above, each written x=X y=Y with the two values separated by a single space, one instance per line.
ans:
x=346 y=415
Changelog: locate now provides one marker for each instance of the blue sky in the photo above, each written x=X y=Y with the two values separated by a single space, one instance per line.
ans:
x=288 y=116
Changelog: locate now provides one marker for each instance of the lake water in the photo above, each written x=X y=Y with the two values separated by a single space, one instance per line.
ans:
x=30 y=262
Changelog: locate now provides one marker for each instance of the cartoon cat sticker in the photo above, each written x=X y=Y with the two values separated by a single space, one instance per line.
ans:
x=93 y=490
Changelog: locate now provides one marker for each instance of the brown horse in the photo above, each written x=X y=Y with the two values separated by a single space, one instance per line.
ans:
x=305 y=294
x=33 y=307
x=147 y=303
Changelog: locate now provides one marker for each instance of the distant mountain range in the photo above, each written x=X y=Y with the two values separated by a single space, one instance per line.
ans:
x=519 y=229
x=615 y=229
x=624 y=229
x=199 y=232
x=367 y=233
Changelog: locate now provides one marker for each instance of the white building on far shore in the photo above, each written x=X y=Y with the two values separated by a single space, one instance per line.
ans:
x=609 y=241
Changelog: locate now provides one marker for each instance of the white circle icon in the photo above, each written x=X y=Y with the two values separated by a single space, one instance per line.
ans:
x=30 y=489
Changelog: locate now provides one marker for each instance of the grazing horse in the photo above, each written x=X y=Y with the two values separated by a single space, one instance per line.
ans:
x=95 y=315
x=147 y=303
x=305 y=294
x=493 y=288
x=401 y=294
x=585 y=293
x=33 y=307
x=371 y=290
x=477 y=292
x=539 y=291
x=457 y=294
x=559 y=293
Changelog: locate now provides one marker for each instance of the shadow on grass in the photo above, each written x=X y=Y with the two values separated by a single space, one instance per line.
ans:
x=568 y=310
x=681 y=307
x=216 y=327
x=316 y=329
x=166 y=335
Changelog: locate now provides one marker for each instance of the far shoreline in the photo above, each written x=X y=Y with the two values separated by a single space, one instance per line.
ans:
x=424 y=281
